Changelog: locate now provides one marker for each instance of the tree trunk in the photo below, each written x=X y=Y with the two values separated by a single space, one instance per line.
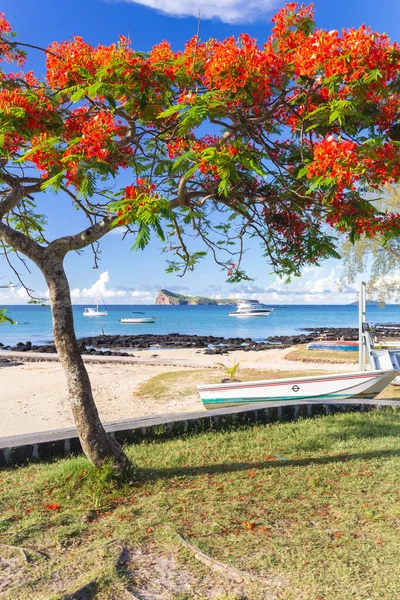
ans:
x=96 y=443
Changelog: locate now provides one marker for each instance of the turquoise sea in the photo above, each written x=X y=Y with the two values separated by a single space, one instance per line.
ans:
x=34 y=322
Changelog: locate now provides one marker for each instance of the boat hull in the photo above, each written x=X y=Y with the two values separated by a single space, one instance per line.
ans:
x=129 y=321
x=244 y=316
x=363 y=385
x=98 y=314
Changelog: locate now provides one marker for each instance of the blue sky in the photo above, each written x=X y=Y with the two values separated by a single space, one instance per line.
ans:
x=134 y=277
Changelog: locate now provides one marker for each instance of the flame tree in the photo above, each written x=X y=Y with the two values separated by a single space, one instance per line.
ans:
x=299 y=129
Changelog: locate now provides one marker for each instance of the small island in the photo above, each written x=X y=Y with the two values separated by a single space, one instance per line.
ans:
x=167 y=297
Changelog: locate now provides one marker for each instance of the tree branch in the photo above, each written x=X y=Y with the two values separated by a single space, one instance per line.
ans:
x=82 y=239
x=22 y=243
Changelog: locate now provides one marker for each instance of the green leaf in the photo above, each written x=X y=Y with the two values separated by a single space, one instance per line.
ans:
x=94 y=89
x=302 y=172
x=78 y=95
x=171 y=111
x=4 y=318
x=142 y=237
x=55 y=181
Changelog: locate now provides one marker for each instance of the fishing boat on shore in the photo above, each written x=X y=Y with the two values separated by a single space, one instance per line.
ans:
x=139 y=317
x=362 y=385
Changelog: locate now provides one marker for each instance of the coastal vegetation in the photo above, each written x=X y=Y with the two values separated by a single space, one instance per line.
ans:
x=167 y=297
x=230 y=370
x=304 y=510
x=302 y=125
x=369 y=255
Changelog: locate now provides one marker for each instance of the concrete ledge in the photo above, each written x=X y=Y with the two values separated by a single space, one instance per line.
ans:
x=90 y=358
x=61 y=442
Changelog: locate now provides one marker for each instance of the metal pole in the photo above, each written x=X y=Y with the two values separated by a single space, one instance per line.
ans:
x=362 y=316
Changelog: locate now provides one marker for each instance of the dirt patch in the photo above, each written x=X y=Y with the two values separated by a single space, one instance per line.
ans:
x=160 y=576
x=11 y=569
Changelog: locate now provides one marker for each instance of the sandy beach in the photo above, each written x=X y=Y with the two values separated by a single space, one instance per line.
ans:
x=34 y=396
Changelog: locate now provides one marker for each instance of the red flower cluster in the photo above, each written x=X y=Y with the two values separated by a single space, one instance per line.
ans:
x=335 y=159
x=7 y=52
x=136 y=196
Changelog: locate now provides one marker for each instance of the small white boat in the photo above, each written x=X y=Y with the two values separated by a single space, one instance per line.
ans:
x=362 y=385
x=140 y=318
x=94 y=312
x=251 y=308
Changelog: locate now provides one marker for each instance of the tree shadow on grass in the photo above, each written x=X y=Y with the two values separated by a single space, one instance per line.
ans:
x=167 y=473
x=352 y=427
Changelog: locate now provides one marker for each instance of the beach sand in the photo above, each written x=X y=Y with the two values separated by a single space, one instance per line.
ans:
x=34 y=396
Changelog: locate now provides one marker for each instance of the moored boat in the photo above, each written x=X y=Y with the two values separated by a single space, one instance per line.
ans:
x=138 y=317
x=94 y=312
x=251 y=308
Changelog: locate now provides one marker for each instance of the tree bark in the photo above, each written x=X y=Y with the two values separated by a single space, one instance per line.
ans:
x=96 y=443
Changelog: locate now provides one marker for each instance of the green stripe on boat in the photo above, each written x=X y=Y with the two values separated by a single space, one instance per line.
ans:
x=279 y=398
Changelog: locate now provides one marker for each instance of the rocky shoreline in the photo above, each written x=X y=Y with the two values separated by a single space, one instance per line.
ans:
x=116 y=345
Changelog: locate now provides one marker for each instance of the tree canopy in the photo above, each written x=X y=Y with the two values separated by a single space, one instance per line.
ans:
x=374 y=256
x=278 y=141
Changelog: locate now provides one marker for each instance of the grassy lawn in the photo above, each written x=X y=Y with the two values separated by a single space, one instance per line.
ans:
x=310 y=509
x=183 y=384
x=323 y=356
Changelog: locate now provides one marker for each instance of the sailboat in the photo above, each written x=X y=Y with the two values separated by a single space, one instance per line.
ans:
x=362 y=385
x=95 y=312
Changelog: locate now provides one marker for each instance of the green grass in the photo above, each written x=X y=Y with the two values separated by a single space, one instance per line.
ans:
x=314 y=505
x=323 y=356
x=183 y=384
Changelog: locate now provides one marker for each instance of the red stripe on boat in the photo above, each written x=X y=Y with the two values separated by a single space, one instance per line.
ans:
x=292 y=381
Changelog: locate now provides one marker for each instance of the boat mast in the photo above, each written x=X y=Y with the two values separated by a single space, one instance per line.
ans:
x=362 y=320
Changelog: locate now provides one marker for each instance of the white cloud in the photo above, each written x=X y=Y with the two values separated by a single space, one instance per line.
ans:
x=316 y=286
x=13 y=295
x=118 y=231
x=228 y=11
x=100 y=289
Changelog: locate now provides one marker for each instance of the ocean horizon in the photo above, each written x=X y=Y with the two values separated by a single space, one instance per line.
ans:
x=35 y=324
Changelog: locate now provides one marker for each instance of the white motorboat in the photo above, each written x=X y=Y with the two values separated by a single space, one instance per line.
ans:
x=138 y=317
x=362 y=385
x=251 y=308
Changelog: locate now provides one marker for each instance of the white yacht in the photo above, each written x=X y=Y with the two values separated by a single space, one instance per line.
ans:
x=251 y=308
